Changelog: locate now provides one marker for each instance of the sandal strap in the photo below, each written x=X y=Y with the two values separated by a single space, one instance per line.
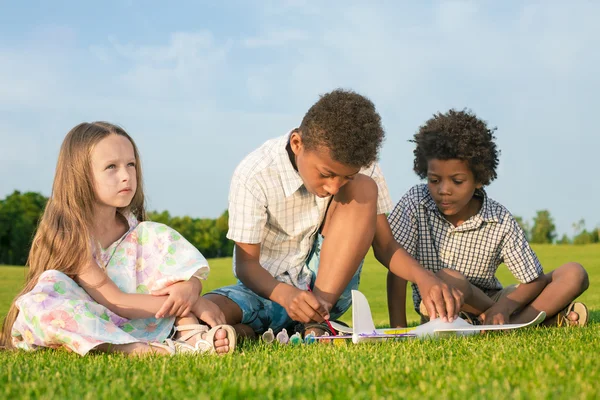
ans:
x=184 y=347
x=470 y=318
x=204 y=346
x=191 y=334
x=562 y=318
x=175 y=347
x=189 y=327
x=194 y=329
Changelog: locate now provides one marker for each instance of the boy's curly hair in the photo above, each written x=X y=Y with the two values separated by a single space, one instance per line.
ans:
x=457 y=135
x=347 y=124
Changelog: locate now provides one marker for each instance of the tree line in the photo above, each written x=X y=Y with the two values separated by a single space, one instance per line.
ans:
x=20 y=213
x=543 y=230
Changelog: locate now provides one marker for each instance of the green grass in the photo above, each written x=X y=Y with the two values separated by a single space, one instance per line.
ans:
x=531 y=363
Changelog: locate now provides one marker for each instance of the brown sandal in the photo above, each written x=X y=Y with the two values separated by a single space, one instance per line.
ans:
x=562 y=318
x=470 y=318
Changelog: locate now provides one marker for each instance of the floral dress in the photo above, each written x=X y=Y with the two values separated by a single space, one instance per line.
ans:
x=59 y=313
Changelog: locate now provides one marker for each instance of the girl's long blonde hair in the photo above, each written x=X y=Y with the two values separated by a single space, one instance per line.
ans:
x=62 y=241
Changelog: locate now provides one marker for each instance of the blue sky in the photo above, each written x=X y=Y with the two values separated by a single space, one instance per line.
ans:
x=201 y=84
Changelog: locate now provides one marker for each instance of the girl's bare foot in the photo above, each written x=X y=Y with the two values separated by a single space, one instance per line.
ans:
x=132 y=349
x=221 y=342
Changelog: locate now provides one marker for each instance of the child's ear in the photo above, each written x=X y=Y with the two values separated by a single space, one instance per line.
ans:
x=478 y=185
x=296 y=141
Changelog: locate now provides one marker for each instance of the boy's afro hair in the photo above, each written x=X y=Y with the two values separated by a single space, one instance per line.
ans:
x=347 y=124
x=457 y=135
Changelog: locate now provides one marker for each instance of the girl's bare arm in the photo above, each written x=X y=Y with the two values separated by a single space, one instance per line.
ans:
x=105 y=292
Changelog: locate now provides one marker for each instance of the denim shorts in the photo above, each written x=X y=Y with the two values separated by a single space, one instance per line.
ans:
x=261 y=314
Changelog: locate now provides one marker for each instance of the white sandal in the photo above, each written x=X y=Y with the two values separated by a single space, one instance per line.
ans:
x=206 y=343
x=173 y=347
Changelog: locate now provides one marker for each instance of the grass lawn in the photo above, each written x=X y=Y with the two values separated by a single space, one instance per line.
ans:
x=531 y=363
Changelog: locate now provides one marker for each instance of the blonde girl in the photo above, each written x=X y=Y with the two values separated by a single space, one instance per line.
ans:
x=100 y=276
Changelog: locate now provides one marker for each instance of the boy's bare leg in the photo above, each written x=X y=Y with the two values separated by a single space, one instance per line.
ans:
x=396 y=289
x=233 y=314
x=566 y=283
x=478 y=303
x=348 y=233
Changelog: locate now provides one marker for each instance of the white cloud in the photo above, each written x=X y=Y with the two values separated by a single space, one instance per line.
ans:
x=276 y=38
x=27 y=79
x=295 y=8
x=182 y=46
x=453 y=16
x=17 y=149
x=185 y=66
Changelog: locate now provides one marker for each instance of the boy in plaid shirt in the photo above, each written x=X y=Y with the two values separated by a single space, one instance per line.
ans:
x=454 y=229
x=304 y=209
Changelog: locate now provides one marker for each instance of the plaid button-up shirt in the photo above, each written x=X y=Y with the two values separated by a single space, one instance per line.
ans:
x=268 y=204
x=475 y=248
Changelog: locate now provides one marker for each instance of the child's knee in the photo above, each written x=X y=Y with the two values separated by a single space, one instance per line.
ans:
x=361 y=189
x=231 y=310
x=578 y=275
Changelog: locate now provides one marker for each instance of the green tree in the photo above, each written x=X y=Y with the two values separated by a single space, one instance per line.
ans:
x=579 y=226
x=564 y=239
x=582 y=236
x=222 y=226
x=162 y=217
x=543 y=230
x=596 y=235
x=19 y=217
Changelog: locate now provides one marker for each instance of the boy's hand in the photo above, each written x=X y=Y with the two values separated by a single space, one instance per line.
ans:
x=439 y=298
x=182 y=297
x=301 y=305
x=495 y=315
x=208 y=312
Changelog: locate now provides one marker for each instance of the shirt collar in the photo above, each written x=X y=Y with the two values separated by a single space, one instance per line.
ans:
x=487 y=212
x=290 y=179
